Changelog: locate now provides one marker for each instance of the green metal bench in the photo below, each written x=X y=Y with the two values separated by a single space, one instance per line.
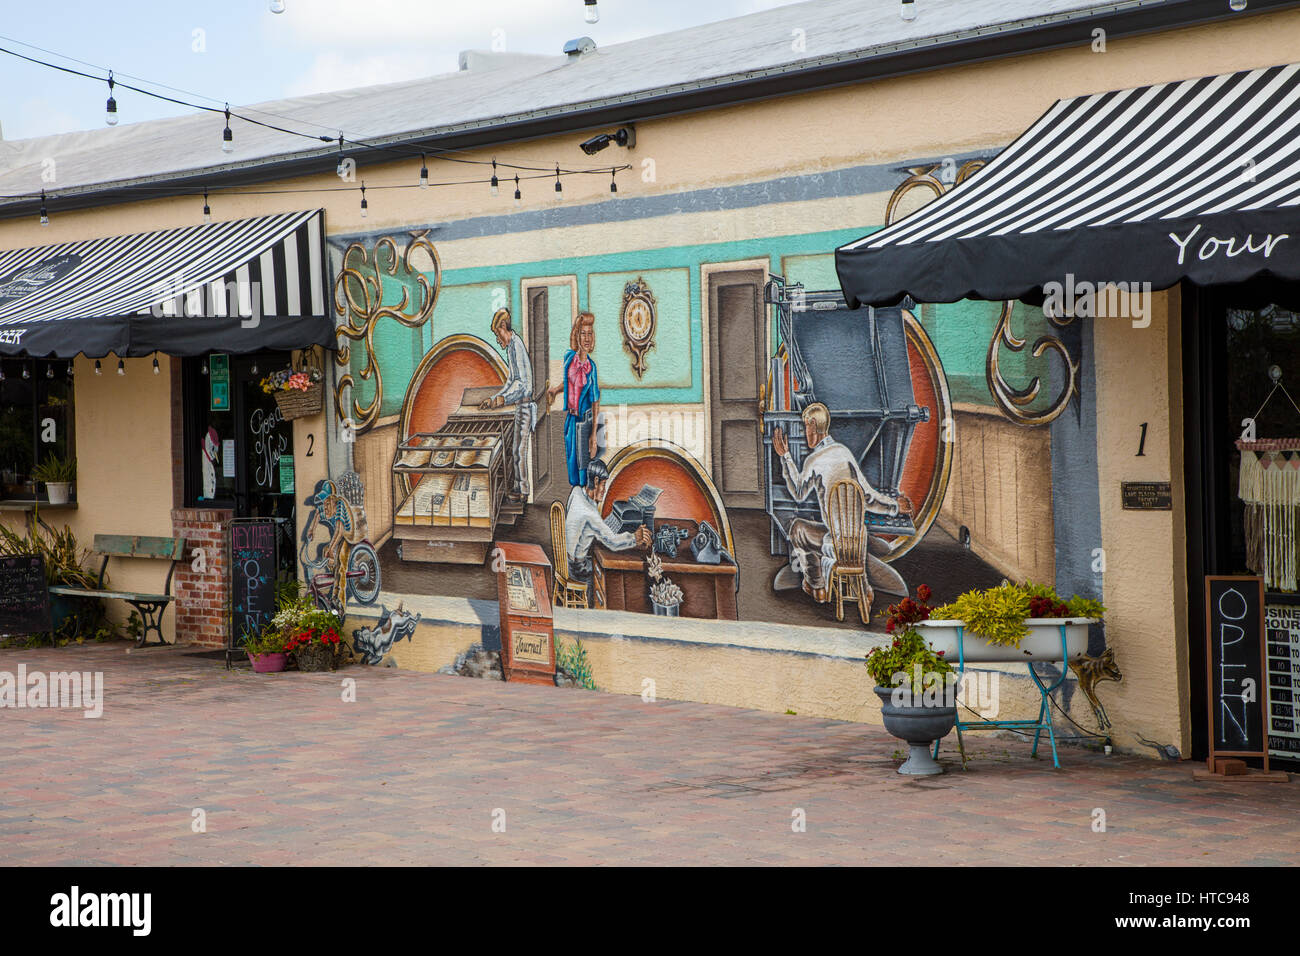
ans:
x=150 y=606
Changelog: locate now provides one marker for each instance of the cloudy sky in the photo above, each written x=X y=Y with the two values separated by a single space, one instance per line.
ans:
x=237 y=51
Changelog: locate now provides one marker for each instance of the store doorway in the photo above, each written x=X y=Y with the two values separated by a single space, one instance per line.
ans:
x=238 y=446
x=1241 y=384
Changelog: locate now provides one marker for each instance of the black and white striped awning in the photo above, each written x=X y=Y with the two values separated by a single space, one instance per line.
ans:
x=221 y=287
x=1195 y=180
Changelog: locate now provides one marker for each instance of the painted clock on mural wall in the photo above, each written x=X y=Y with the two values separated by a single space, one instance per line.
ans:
x=638 y=321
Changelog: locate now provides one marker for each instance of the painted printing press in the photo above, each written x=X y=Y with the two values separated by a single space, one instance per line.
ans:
x=451 y=484
x=856 y=363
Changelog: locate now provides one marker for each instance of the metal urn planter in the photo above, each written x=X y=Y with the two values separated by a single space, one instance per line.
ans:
x=920 y=726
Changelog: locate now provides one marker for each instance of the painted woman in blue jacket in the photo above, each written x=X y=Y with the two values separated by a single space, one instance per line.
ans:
x=581 y=398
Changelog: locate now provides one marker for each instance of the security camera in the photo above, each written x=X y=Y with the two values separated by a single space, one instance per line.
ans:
x=624 y=136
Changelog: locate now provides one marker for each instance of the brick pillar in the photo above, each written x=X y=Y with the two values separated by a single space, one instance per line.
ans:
x=201 y=598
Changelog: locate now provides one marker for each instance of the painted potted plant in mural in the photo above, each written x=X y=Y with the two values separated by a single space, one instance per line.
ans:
x=57 y=474
x=916 y=685
x=298 y=392
x=665 y=597
x=267 y=651
x=1012 y=622
x=316 y=641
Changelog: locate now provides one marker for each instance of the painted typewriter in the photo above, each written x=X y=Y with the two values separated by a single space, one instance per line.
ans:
x=856 y=363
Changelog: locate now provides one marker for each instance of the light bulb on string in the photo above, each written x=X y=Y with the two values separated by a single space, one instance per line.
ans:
x=613 y=184
x=227 y=137
x=204 y=369
x=121 y=367
x=110 y=110
x=69 y=370
x=49 y=371
x=495 y=184
x=254 y=369
x=590 y=12
x=26 y=373
x=342 y=168
x=1236 y=5
x=277 y=6
x=365 y=206
x=99 y=369
x=207 y=210
x=156 y=369
x=45 y=216
x=908 y=12
x=424 y=173
x=559 y=190
x=518 y=195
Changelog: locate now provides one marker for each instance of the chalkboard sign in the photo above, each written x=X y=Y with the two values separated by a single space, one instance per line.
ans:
x=254 y=558
x=1238 y=684
x=24 y=600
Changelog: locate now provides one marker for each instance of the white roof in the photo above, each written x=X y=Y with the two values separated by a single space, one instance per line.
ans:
x=516 y=86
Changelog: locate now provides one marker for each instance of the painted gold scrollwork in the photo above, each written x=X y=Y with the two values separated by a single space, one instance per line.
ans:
x=359 y=303
x=1011 y=401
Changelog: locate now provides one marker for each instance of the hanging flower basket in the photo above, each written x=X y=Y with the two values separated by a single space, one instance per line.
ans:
x=299 y=404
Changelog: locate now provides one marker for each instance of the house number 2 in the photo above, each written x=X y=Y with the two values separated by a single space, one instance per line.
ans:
x=311 y=443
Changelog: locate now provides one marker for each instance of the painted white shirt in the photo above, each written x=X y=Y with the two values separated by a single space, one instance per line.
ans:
x=583 y=525
x=826 y=464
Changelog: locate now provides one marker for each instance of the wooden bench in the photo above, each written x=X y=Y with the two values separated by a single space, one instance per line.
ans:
x=150 y=606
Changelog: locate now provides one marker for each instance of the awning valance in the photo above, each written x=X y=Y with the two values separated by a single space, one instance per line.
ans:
x=1197 y=180
x=232 y=286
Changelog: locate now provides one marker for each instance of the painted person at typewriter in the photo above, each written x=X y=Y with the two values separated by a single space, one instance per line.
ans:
x=584 y=526
x=812 y=550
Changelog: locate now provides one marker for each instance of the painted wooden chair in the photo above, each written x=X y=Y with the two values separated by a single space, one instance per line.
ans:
x=566 y=592
x=847 y=507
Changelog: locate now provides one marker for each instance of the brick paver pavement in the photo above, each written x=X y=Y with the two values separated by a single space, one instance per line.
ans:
x=412 y=772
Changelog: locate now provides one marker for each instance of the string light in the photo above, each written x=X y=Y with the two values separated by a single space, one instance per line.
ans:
x=277 y=6
x=204 y=369
x=99 y=369
x=49 y=371
x=69 y=370
x=207 y=210
x=26 y=373
x=908 y=11
x=518 y=195
x=591 y=14
x=227 y=137
x=559 y=190
x=613 y=185
x=110 y=111
x=424 y=173
x=45 y=216
x=156 y=370
x=364 y=205
x=494 y=182
x=121 y=367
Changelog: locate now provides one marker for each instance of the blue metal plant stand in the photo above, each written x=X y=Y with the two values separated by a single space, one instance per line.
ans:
x=1044 y=721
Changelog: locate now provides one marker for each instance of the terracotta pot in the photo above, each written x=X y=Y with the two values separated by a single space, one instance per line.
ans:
x=268 y=663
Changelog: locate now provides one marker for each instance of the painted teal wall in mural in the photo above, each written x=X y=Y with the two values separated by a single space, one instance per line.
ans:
x=666 y=362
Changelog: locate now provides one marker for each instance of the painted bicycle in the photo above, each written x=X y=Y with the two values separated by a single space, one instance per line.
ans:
x=346 y=566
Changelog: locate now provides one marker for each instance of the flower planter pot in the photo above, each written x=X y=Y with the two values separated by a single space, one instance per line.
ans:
x=299 y=404
x=57 y=492
x=269 y=663
x=316 y=657
x=920 y=726
x=1043 y=643
x=666 y=610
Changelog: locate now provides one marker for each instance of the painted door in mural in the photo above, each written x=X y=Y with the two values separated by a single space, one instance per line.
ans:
x=539 y=341
x=737 y=361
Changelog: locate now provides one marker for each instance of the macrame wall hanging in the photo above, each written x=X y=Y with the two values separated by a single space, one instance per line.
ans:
x=1269 y=486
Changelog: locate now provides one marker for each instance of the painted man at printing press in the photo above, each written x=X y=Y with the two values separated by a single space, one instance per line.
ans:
x=517 y=391
x=811 y=547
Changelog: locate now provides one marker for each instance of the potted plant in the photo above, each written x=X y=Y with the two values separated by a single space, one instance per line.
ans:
x=57 y=474
x=298 y=393
x=1012 y=622
x=315 y=640
x=665 y=597
x=266 y=651
x=916 y=685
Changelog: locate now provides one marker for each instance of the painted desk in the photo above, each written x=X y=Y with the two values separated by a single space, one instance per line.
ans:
x=621 y=584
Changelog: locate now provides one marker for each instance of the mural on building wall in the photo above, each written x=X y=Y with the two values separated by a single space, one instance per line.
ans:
x=374 y=643
x=344 y=565
x=718 y=435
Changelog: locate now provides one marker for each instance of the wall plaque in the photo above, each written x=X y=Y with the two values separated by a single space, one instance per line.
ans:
x=1146 y=495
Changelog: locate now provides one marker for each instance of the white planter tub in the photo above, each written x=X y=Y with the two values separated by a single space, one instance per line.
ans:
x=1043 y=643
x=57 y=492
